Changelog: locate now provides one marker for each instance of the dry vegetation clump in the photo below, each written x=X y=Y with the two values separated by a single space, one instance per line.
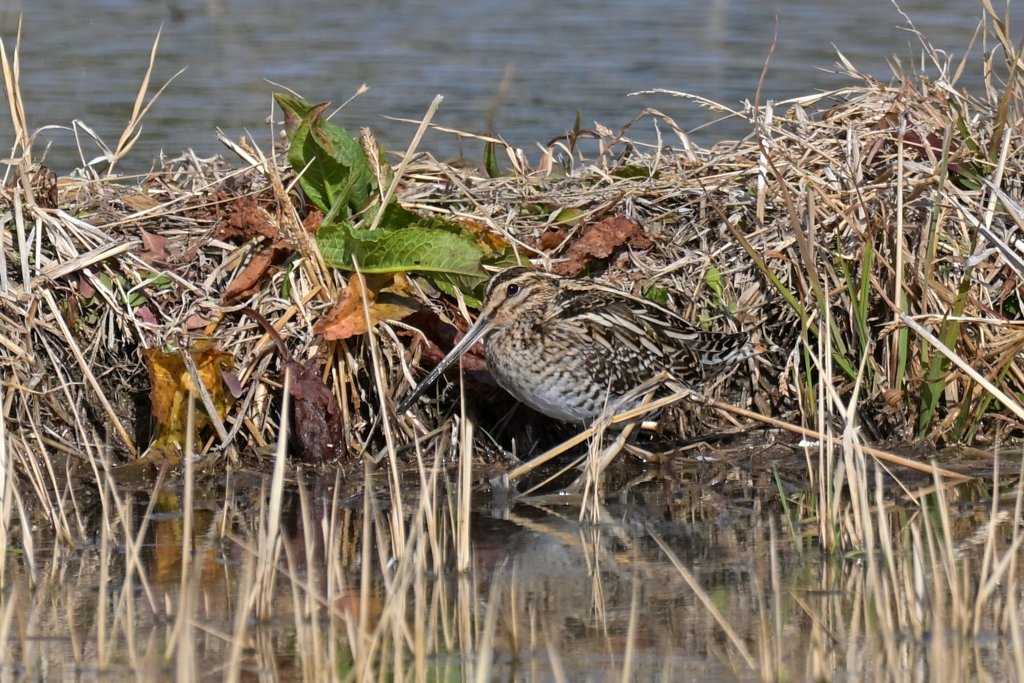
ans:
x=839 y=233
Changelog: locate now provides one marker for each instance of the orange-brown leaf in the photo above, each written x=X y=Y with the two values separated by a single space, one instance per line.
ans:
x=170 y=384
x=600 y=241
x=348 y=317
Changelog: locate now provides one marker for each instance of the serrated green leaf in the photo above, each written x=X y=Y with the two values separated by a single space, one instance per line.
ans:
x=444 y=254
x=347 y=151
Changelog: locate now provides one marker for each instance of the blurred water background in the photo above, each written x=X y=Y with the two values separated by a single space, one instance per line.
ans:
x=85 y=60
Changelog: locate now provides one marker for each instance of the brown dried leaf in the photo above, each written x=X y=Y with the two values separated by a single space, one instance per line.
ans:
x=600 y=241
x=154 y=248
x=348 y=317
x=318 y=426
x=552 y=239
x=140 y=202
x=243 y=220
x=313 y=220
x=249 y=280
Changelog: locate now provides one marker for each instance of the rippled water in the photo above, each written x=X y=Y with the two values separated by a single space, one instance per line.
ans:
x=693 y=575
x=85 y=60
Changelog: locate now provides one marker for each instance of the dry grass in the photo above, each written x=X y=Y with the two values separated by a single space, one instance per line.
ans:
x=865 y=237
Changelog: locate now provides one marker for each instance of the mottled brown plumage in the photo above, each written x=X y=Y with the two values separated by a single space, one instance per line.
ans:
x=568 y=347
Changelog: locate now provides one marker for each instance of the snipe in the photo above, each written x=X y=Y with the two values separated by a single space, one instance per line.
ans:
x=568 y=347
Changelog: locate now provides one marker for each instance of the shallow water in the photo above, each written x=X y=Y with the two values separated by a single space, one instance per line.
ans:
x=85 y=60
x=553 y=598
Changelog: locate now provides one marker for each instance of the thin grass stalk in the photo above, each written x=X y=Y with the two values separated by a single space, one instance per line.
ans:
x=1013 y=405
x=463 y=557
x=307 y=663
x=634 y=608
x=485 y=649
x=232 y=669
x=311 y=605
x=188 y=504
x=360 y=643
x=986 y=560
x=949 y=564
x=464 y=622
x=778 y=665
x=133 y=563
x=269 y=547
x=557 y=668
x=10 y=602
x=23 y=249
x=424 y=124
x=918 y=588
x=16 y=105
x=139 y=112
x=398 y=518
x=1013 y=625
x=6 y=489
x=898 y=294
x=420 y=600
x=705 y=599
x=185 y=665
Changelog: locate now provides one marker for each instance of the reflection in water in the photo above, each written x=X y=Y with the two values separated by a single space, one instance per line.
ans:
x=545 y=595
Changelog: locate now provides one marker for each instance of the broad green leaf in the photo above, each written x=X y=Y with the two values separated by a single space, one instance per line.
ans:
x=347 y=151
x=335 y=174
x=424 y=250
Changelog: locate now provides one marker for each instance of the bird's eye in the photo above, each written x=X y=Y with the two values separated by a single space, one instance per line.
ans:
x=512 y=289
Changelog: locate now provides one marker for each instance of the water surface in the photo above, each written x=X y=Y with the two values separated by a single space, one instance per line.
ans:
x=84 y=60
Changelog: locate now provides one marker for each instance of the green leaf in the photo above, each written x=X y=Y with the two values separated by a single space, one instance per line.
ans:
x=448 y=256
x=471 y=299
x=658 y=295
x=347 y=151
x=295 y=109
x=568 y=215
x=635 y=172
x=491 y=161
x=335 y=173
x=714 y=280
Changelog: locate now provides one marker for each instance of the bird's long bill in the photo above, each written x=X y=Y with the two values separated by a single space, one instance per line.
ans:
x=471 y=338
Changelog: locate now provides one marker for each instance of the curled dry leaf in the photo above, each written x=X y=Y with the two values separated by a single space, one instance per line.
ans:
x=385 y=295
x=248 y=282
x=317 y=425
x=170 y=384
